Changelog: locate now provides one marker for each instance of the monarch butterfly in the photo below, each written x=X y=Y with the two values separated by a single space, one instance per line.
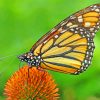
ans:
x=69 y=46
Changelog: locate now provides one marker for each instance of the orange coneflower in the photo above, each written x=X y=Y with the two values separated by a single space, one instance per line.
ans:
x=39 y=85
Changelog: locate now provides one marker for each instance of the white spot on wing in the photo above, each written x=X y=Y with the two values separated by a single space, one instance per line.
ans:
x=53 y=30
x=80 y=20
x=80 y=17
x=91 y=29
x=45 y=42
x=87 y=24
x=69 y=24
x=73 y=26
x=97 y=10
x=63 y=31
x=56 y=36
x=62 y=23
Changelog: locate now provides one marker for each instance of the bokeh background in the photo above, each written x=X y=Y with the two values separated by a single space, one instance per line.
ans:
x=23 y=22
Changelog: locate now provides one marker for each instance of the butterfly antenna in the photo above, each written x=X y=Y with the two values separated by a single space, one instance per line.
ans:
x=1 y=58
x=6 y=68
x=9 y=55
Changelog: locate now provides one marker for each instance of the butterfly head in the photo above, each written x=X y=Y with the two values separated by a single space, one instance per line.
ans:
x=30 y=59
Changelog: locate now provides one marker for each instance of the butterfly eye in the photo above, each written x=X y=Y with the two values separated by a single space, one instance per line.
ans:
x=30 y=54
x=21 y=57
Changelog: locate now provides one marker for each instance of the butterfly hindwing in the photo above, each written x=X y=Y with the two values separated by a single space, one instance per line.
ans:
x=68 y=53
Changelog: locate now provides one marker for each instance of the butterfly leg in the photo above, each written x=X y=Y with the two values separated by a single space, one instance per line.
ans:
x=40 y=69
x=29 y=71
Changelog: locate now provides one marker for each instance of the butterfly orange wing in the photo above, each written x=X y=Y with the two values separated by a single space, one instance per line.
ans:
x=69 y=47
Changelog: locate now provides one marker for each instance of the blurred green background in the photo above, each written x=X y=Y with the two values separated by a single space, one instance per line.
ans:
x=23 y=22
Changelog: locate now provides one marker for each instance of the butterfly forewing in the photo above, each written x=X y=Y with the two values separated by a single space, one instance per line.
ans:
x=69 y=46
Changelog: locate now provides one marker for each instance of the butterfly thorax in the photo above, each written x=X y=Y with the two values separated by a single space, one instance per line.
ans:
x=31 y=59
